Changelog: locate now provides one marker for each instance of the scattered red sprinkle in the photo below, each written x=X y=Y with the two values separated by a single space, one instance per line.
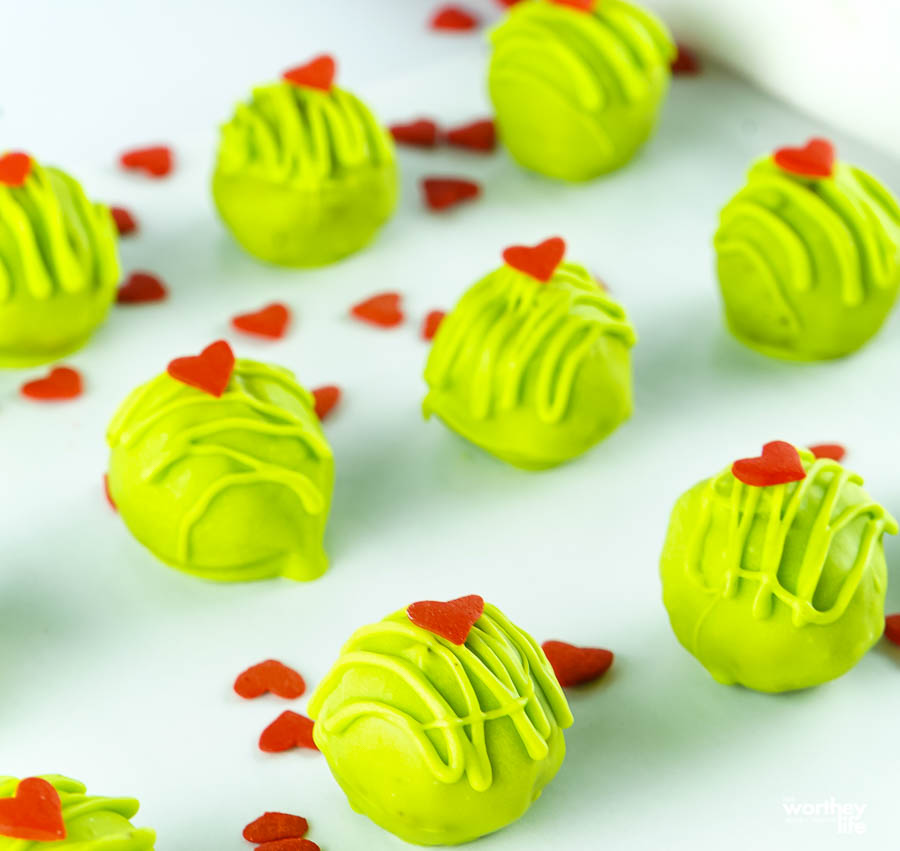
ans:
x=210 y=371
x=34 y=813
x=686 y=62
x=476 y=136
x=580 y=5
x=272 y=321
x=155 y=161
x=539 y=261
x=289 y=845
x=109 y=498
x=140 y=288
x=273 y=826
x=288 y=731
x=61 y=383
x=432 y=323
x=575 y=666
x=270 y=676
x=892 y=628
x=125 y=221
x=419 y=134
x=444 y=192
x=451 y=620
x=326 y=398
x=834 y=451
x=814 y=159
x=317 y=74
x=454 y=18
x=779 y=464
x=508 y=2
x=14 y=168
x=383 y=309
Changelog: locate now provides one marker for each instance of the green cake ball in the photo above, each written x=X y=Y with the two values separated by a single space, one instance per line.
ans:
x=443 y=722
x=221 y=469
x=808 y=255
x=305 y=174
x=533 y=364
x=577 y=91
x=88 y=822
x=773 y=572
x=59 y=267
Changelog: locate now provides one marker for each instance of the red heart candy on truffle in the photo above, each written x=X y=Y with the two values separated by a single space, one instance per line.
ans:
x=834 y=451
x=779 y=464
x=271 y=321
x=288 y=731
x=141 y=287
x=685 y=62
x=155 y=161
x=453 y=18
x=581 y=5
x=539 y=261
x=382 y=309
x=432 y=323
x=289 y=845
x=210 y=371
x=14 y=169
x=575 y=666
x=317 y=74
x=326 y=398
x=420 y=134
x=444 y=192
x=892 y=628
x=815 y=159
x=125 y=222
x=270 y=676
x=34 y=813
x=62 y=383
x=270 y=827
x=452 y=620
x=476 y=136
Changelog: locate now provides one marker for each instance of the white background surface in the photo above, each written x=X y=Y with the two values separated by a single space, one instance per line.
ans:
x=117 y=670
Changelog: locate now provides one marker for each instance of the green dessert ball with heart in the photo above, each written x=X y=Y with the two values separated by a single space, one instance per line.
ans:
x=577 y=86
x=305 y=174
x=808 y=255
x=59 y=266
x=220 y=468
x=443 y=722
x=773 y=571
x=533 y=365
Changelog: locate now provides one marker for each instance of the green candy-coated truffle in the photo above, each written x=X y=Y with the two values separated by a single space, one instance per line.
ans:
x=438 y=743
x=781 y=587
x=809 y=267
x=534 y=373
x=576 y=93
x=92 y=823
x=304 y=177
x=58 y=267
x=234 y=488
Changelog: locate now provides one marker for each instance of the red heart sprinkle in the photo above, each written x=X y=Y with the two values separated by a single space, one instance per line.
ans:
x=109 y=498
x=155 y=161
x=539 y=261
x=779 y=464
x=686 y=62
x=288 y=731
x=272 y=321
x=452 y=620
x=580 y=5
x=326 y=398
x=834 y=451
x=273 y=826
x=432 y=323
x=476 y=136
x=419 y=134
x=454 y=18
x=34 y=814
x=61 y=383
x=815 y=159
x=270 y=676
x=125 y=222
x=14 y=168
x=383 y=310
x=210 y=371
x=892 y=628
x=575 y=666
x=508 y=2
x=317 y=74
x=141 y=287
x=289 y=845
x=444 y=192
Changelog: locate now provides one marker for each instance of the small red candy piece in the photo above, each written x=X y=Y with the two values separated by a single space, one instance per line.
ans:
x=125 y=222
x=452 y=620
x=272 y=321
x=575 y=666
x=892 y=628
x=155 y=161
x=834 y=451
x=288 y=731
x=383 y=310
x=326 y=398
x=210 y=371
x=270 y=827
x=270 y=676
x=432 y=323
x=140 y=288
x=61 y=383
x=109 y=498
x=14 y=169
x=686 y=62
x=317 y=74
x=419 y=134
x=454 y=18
x=815 y=159
x=580 y=5
x=444 y=192
x=508 y=2
x=539 y=261
x=289 y=845
x=34 y=814
x=779 y=464
x=475 y=136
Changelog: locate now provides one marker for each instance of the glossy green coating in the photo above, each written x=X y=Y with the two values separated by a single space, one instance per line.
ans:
x=577 y=93
x=809 y=268
x=92 y=823
x=777 y=588
x=304 y=177
x=533 y=373
x=59 y=267
x=438 y=743
x=233 y=489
